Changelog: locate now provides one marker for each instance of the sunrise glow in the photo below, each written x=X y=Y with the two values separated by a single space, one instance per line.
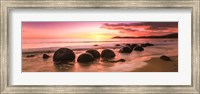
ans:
x=96 y=30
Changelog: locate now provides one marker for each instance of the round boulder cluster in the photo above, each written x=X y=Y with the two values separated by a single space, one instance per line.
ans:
x=125 y=50
x=132 y=46
x=95 y=53
x=143 y=45
x=107 y=54
x=147 y=44
x=89 y=56
x=64 y=55
x=85 y=57
x=139 y=48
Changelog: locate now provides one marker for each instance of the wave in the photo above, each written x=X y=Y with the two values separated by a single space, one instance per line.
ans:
x=52 y=49
x=48 y=46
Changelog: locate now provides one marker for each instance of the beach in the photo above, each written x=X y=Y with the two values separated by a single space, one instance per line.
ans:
x=144 y=61
x=158 y=65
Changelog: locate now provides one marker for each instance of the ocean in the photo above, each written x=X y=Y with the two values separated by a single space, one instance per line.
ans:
x=145 y=61
x=38 y=45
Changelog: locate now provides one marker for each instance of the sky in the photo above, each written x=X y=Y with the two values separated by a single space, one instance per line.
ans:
x=96 y=30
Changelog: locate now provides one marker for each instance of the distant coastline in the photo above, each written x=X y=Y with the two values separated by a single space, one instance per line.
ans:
x=173 y=35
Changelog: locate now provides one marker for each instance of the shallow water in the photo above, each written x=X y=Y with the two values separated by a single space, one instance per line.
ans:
x=33 y=45
x=133 y=61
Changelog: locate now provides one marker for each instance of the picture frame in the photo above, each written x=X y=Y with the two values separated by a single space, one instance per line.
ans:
x=7 y=5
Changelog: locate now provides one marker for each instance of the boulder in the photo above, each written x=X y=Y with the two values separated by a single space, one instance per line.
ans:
x=96 y=45
x=139 y=48
x=107 y=54
x=134 y=45
x=143 y=45
x=85 y=58
x=64 y=55
x=45 y=56
x=129 y=45
x=117 y=45
x=121 y=60
x=147 y=44
x=125 y=50
x=166 y=58
x=95 y=53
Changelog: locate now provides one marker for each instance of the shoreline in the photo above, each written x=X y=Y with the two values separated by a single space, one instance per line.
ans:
x=145 y=61
x=155 y=64
x=78 y=49
x=53 y=49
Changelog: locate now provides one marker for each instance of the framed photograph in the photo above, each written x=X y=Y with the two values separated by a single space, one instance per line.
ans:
x=75 y=46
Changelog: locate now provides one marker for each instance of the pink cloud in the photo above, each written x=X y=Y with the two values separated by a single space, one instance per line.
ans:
x=143 y=28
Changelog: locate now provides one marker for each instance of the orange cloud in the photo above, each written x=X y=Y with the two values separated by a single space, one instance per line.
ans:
x=143 y=28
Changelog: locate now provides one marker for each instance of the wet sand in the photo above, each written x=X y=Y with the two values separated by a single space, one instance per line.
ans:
x=145 y=61
x=158 y=65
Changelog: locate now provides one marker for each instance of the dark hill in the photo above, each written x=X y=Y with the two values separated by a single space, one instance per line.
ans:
x=173 y=35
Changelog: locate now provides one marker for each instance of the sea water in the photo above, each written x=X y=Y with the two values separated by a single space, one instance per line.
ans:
x=133 y=61
x=31 y=45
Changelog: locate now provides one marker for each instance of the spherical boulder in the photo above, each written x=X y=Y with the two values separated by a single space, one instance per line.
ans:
x=147 y=44
x=143 y=45
x=45 y=56
x=165 y=58
x=117 y=44
x=107 y=54
x=139 y=48
x=64 y=55
x=95 y=53
x=134 y=45
x=129 y=45
x=85 y=58
x=125 y=50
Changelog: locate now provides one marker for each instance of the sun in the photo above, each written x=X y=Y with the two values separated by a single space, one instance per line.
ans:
x=98 y=37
